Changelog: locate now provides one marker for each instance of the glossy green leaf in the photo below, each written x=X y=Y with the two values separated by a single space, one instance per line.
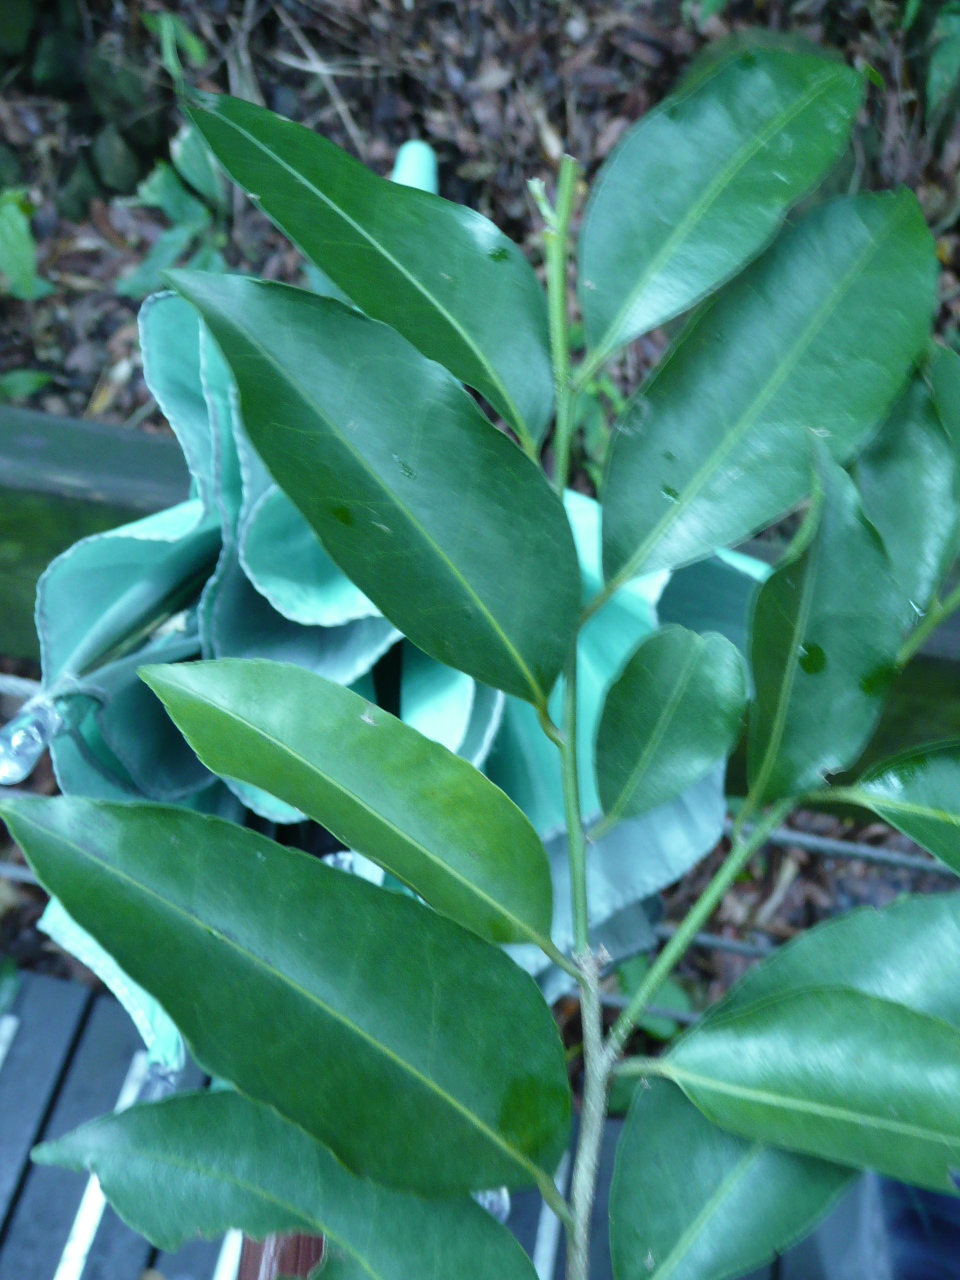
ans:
x=199 y=1164
x=385 y=790
x=273 y=967
x=917 y=792
x=909 y=483
x=674 y=713
x=701 y=184
x=746 y=1200
x=439 y=273
x=834 y=1073
x=691 y=1202
x=824 y=638
x=396 y=469
x=715 y=446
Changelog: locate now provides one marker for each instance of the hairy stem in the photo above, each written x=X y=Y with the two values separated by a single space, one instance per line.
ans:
x=938 y=612
x=596 y=1067
x=696 y=918
x=556 y=245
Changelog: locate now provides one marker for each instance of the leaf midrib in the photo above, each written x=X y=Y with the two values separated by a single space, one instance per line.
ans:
x=425 y=1081
x=527 y=930
x=797 y=632
x=465 y=337
x=688 y=1236
x=806 y=1106
x=875 y=800
x=748 y=418
x=701 y=206
x=401 y=508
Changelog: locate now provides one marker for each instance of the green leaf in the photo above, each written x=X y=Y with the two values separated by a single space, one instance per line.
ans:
x=199 y=1164
x=824 y=638
x=909 y=483
x=701 y=184
x=163 y=190
x=21 y=384
x=409 y=804
x=917 y=792
x=273 y=967
x=675 y=712
x=18 y=253
x=715 y=447
x=192 y=160
x=147 y=276
x=397 y=470
x=441 y=274
x=834 y=1073
x=714 y=1205
x=691 y=1202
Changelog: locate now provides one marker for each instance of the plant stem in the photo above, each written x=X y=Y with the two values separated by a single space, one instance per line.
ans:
x=556 y=248
x=559 y=959
x=641 y=1067
x=938 y=612
x=548 y=727
x=576 y=841
x=702 y=910
x=596 y=1074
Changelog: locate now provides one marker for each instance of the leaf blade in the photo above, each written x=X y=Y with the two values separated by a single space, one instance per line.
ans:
x=714 y=448
x=486 y=321
x=675 y=711
x=906 y=953
x=825 y=632
x=913 y=454
x=834 y=1073
x=338 y=404
x=241 y=940
x=198 y=1164
x=425 y=815
x=767 y=122
x=713 y=1206
x=916 y=792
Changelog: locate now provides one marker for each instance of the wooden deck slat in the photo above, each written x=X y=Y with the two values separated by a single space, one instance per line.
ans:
x=50 y=1014
x=46 y=1208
